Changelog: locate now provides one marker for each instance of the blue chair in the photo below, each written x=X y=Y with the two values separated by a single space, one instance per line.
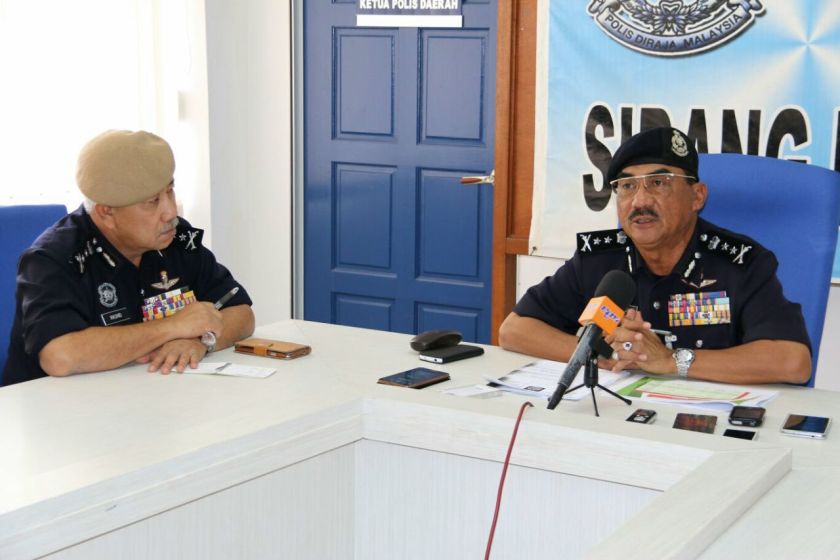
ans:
x=792 y=209
x=19 y=227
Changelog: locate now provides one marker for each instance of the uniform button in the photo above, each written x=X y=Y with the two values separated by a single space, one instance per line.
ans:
x=656 y=305
x=699 y=344
x=703 y=237
x=697 y=255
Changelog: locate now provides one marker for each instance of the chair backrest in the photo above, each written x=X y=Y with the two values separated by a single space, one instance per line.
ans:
x=792 y=209
x=19 y=227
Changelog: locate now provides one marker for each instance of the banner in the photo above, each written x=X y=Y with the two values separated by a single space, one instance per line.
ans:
x=760 y=78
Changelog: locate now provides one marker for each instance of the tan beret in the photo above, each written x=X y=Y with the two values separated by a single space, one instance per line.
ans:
x=121 y=167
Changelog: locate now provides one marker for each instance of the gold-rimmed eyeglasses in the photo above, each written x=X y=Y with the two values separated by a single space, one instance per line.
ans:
x=655 y=184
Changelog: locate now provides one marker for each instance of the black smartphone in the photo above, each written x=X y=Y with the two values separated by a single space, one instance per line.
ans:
x=642 y=416
x=751 y=416
x=416 y=378
x=740 y=434
x=451 y=353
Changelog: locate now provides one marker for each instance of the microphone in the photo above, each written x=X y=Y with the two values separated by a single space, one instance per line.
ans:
x=601 y=315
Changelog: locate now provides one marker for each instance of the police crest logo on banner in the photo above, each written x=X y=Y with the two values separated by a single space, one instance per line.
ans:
x=673 y=27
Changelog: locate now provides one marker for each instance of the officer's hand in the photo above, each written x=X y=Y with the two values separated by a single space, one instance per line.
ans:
x=196 y=319
x=626 y=340
x=177 y=354
x=636 y=346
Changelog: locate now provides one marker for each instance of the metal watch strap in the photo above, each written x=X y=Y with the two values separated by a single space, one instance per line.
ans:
x=683 y=357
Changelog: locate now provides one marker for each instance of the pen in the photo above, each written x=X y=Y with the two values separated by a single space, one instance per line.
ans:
x=226 y=298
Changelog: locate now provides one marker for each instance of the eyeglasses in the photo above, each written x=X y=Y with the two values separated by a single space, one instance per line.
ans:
x=655 y=184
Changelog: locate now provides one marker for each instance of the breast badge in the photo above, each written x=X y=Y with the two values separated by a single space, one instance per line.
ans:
x=165 y=282
x=107 y=294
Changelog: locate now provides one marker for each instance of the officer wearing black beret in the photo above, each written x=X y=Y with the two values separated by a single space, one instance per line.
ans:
x=122 y=279
x=708 y=302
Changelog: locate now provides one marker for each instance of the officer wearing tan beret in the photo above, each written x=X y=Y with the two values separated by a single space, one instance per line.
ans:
x=122 y=279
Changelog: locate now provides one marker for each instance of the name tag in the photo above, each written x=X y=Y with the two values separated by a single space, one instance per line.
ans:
x=116 y=316
x=702 y=308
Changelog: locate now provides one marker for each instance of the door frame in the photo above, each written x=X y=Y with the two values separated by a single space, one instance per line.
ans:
x=516 y=60
x=297 y=160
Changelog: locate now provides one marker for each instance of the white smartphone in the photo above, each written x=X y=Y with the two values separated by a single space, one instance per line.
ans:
x=802 y=425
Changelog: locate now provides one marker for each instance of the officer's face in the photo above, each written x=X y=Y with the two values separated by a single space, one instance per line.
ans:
x=148 y=225
x=660 y=218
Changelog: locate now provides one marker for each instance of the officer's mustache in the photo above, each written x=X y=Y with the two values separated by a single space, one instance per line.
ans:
x=638 y=212
x=170 y=225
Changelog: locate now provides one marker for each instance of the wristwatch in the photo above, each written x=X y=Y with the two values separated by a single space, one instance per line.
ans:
x=208 y=339
x=684 y=358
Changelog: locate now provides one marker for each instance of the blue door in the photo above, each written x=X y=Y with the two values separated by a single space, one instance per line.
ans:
x=393 y=119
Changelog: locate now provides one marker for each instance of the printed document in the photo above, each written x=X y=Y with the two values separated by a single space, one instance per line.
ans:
x=539 y=379
x=228 y=368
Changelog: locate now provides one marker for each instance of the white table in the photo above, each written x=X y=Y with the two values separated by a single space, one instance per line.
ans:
x=320 y=461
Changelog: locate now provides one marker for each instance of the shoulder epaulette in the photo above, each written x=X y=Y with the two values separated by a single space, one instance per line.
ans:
x=189 y=238
x=736 y=249
x=90 y=247
x=590 y=242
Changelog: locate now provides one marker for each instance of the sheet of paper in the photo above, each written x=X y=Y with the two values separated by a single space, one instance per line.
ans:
x=539 y=379
x=686 y=392
x=228 y=368
x=475 y=391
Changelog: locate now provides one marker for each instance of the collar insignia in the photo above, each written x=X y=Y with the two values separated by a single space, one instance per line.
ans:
x=191 y=238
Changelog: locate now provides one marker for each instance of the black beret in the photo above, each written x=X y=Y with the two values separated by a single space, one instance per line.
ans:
x=664 y=145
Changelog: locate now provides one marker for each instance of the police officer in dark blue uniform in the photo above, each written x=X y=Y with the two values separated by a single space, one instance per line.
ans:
x=708 y=302
x=122 y=279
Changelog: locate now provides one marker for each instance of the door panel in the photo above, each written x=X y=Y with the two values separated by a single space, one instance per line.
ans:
x=392 y=119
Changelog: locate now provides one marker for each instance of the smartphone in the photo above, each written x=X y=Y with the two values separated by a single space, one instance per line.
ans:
x=751 y=416
x=416 y=378
x=740 y=434
x=642 y=416
x=802 y=425
x=695 y=422
x=451 y=353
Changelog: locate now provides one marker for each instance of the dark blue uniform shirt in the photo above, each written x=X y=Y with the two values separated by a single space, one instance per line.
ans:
x=723 y=292
x=72 y=278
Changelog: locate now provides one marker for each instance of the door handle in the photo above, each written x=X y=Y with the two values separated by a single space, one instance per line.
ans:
x=480 y=179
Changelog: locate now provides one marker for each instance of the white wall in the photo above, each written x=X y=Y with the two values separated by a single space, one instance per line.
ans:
x=250 y=128
x=531 y=270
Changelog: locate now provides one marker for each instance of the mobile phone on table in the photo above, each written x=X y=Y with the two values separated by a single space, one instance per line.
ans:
x=451 y=353
x=802 y=425
x=642 y=416
x=751 y=416
x=695 y=422
x=415 y=378
x=740 y=434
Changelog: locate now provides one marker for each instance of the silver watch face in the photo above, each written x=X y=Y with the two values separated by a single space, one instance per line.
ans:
x=209 y=340
x=684 y=355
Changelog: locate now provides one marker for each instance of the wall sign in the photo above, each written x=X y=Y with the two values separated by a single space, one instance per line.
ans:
x=409 y=13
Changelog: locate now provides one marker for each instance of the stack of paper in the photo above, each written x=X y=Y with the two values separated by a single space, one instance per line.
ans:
x=686 y=392
x=539 y=379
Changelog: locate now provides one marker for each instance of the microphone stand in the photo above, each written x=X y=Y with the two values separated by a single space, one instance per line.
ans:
x=590 y=380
